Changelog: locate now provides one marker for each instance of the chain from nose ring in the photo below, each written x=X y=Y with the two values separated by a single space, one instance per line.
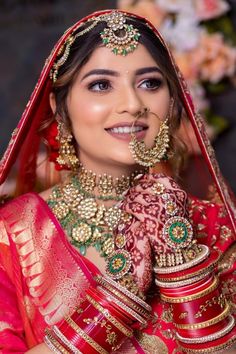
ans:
x=138 y=115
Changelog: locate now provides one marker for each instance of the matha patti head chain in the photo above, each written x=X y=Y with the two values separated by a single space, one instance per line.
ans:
x=120 y=37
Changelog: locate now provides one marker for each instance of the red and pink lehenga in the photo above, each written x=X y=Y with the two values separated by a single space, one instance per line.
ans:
x=43 y=277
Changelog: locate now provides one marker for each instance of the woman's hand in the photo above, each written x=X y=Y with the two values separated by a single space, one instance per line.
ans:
x=150 y=202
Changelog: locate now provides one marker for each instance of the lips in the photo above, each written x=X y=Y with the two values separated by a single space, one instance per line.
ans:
x=123 y=131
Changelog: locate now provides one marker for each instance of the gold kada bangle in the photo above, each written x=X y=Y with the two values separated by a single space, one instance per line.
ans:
x=110 y=318
x=84 y=335
x=177 y=300
x=207 y=323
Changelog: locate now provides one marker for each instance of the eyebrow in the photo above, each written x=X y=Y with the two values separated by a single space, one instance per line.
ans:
x=108 y=72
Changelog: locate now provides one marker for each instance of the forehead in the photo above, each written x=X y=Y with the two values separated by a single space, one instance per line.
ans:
x=104 y=58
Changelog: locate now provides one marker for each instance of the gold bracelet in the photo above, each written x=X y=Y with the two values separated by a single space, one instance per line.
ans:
x=53 y=344
x=168 y=284
x=207 y=323
x=209 y=337
x=178 y=300
x=178 y=268
x=123 y=297
x=110 y=318
x=64 y=340
x=187 y=276
x=84 y=335
x=213 y=350
x=129 y=294
x=125 y=307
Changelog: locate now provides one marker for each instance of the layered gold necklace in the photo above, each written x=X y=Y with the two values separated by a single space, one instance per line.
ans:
x=87 y=222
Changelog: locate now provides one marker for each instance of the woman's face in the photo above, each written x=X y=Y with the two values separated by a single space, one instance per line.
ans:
x=106 y=96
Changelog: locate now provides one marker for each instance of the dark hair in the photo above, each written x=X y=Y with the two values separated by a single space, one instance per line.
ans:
x=82 y=49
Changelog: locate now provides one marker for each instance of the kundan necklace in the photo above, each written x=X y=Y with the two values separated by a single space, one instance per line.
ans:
x=86 y=222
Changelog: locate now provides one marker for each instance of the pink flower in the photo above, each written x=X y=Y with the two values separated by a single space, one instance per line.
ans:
x=214 y=58
x=207 y=9
x=145 y=8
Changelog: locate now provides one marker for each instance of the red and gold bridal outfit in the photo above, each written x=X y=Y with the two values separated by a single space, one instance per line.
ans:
x=43 y=278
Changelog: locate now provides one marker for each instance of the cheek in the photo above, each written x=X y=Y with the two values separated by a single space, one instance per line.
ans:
x=87 y=112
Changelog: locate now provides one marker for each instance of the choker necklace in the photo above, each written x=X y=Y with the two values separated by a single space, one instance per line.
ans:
x=86 y=222
x=107 y=186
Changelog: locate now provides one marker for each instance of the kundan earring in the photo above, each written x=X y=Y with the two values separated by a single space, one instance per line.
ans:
x=149 y=157
x=67 y=154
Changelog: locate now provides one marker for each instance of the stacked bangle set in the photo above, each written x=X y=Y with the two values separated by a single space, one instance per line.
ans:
x=201 y=313
x=101 y=323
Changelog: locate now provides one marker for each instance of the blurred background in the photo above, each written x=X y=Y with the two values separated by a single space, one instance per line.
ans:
x=201 y=34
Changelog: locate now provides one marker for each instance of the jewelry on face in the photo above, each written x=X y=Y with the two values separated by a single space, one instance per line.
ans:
x=149 y=157
x=120 y=37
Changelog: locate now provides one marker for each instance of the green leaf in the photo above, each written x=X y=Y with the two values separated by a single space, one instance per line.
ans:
x=218 y=122
x=216 y=88
x=224 y=25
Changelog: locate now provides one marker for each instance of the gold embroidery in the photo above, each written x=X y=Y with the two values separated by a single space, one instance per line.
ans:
x=151 y=344
x=221 y=300
x=3 y=235
x=5 y=325
x=228 y=259
x=183 y=315
x=167 y=315
x=54 y=292
x=29 y=307
x=111 y=335
x=225 y=233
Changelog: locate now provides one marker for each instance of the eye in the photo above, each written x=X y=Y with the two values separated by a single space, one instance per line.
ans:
x=99 y=85
x=151 y=84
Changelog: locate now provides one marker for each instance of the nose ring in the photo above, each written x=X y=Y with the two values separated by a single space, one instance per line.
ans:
x=142 y=112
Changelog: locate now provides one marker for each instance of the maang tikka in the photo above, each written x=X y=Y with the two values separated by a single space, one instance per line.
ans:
x=149 y=157
x=121 y=38
x=67 y=154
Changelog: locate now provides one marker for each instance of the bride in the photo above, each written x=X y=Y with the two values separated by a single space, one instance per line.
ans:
x=110 y=249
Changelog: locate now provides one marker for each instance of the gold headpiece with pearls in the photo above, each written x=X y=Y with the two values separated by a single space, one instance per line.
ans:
x=120 y=37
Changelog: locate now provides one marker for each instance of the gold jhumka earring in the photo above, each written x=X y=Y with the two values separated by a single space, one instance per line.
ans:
x=67 y=154
x=149 y=157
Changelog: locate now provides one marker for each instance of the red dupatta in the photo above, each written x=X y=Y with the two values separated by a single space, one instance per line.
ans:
x=23 y=148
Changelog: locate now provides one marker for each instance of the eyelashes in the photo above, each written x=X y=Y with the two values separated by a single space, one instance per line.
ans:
x=105 y=85
x=100 y=85
x=152 y=84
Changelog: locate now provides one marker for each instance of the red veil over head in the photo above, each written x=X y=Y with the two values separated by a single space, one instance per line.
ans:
x=24 y=146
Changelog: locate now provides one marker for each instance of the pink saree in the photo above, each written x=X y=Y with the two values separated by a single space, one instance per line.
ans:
x=43 y=277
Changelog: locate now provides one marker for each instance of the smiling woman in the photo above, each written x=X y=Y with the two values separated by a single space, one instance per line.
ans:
x=116 y=254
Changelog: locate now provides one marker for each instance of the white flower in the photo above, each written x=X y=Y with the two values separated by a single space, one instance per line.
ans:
x=198 y=96
x=206 y=9
x=175 y=5
x=183 y=34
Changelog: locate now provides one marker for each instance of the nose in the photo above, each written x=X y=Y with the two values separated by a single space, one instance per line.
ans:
x=129 y=101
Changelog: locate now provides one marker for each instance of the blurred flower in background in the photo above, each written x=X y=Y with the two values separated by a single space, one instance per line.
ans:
x=203 y=42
